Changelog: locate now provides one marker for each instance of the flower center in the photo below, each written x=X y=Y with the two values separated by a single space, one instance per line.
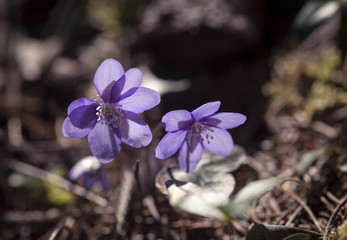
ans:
x=199 y=132
x=110 y=114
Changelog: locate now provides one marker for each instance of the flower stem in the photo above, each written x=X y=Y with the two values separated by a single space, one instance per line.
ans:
x=230 y=229
x=137 y=179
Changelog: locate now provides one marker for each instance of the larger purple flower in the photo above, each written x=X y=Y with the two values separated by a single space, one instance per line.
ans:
x=113 y=119
x=192 y=132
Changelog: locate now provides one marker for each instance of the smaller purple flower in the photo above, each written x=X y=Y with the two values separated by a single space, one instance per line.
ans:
x=113 y=118
x=192 y=132
x=91 y=171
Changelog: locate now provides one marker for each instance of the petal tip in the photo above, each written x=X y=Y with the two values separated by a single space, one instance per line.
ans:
x=243 y=119
x=67 y=129
x=158 y=154
x=104 y=161
x=206 y=110
x=72 y=175
x=134 y=72
x=109 y=71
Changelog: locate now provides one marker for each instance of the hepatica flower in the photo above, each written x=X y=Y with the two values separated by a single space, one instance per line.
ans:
x=113 y=118
x=92 y=172
x=192 y=132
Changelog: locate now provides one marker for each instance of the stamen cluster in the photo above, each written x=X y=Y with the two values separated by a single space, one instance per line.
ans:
x=199 y=130
x=110 y=114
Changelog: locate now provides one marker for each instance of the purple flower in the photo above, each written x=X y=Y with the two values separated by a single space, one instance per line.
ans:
x=112 y=119
x=192 y=132
x=92 y=172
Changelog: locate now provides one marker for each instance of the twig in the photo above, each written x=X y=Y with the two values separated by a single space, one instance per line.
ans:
x=304 y=205
x=184 y=227
x=237 y=225
x=296 y=212
x=333 y=215
x=333 y=198
x=66 y=223
x=285 y=213
x=44 y=175
x=328 y=205
x=253 y=214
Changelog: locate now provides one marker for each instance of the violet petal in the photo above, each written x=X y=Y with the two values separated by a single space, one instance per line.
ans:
x=221 y=144
x=104 y=142
x=81 y=102
x=126 y=85
x=206 y=110
x=134 y=131
x=133 y=78
x=105 y=77
x=170 y=144
x=189 y=157
x=72 y=132
x=225 y=120
x=89 y=180
x=80 y=122
x=177 y=119
x=141 y=100
x=84 y=116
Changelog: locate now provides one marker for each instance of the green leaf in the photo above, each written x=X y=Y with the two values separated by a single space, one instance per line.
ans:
x=216 y=204
x=212 y=173
x=215 y=163
x=205 y=189
x=308 y=158
x=243 y=200
x=193 y=199
x=298 y=236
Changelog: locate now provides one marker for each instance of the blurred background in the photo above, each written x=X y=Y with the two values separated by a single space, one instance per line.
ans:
x=280 y=63
x=203 y=50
